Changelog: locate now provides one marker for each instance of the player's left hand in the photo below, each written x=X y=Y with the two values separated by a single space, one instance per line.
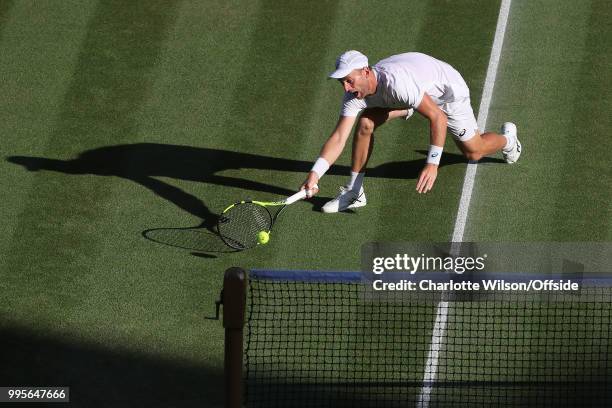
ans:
x=427 y=178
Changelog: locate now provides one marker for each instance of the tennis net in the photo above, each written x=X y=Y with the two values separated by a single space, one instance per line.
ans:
x=327 y=339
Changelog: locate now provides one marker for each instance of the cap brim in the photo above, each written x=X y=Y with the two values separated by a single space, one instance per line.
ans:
x=340 y=73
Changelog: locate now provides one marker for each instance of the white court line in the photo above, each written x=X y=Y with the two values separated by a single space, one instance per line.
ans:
x=439 y=329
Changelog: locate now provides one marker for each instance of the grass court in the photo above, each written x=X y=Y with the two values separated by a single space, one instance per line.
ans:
x=127 y=127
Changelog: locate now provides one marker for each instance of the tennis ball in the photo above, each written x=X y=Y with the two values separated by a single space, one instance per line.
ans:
x=263 y=237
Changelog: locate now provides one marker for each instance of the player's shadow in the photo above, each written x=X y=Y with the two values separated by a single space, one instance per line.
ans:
x=410 y=169
x=145 y=163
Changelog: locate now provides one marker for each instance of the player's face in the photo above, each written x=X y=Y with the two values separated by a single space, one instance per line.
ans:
x=356 y=83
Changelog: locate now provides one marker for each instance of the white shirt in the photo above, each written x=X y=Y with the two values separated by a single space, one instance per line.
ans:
x=403 y=79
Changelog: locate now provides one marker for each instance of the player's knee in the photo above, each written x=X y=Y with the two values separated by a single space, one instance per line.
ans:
x=365 y=126
x=473 y=155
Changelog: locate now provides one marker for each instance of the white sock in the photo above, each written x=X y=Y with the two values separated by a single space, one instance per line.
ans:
x=509 y=142
x=356 y=181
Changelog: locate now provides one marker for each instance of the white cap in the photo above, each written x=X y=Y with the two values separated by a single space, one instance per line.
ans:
x=347 y=62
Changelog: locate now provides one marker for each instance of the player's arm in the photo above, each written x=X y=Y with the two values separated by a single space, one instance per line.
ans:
x=437 y=136
x=330 y=151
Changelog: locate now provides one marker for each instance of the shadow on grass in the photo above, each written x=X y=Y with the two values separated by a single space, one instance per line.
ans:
x=104 y=378
x=144 y=163
x=196 y=239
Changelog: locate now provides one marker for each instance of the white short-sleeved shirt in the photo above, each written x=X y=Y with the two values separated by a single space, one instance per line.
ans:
x=403 y=79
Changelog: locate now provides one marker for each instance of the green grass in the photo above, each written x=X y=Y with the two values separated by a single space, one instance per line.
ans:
x=126 y=126
x=550 y=84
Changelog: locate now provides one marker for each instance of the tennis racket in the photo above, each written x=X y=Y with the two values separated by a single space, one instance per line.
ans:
x=241 y=222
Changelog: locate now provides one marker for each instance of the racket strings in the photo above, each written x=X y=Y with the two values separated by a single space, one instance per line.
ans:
x=240 y=225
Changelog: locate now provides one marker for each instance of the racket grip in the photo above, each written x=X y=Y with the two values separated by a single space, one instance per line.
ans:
x=300 y=195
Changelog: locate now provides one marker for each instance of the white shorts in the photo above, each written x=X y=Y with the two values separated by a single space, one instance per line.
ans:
x=461 y=121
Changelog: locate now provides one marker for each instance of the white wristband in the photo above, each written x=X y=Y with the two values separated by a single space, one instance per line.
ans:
x=434 y=154
x=320 y=167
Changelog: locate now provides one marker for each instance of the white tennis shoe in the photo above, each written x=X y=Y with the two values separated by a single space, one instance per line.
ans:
x=512 y=155
x=345 y=200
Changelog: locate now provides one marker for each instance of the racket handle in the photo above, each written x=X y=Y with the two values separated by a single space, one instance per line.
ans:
x=300 y=195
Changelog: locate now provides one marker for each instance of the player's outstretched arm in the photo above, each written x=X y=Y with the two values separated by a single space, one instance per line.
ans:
x=437 y=127
x=330 y=152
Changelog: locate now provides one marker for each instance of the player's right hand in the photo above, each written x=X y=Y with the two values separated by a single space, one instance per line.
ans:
x=310 y=184
x=427 y=178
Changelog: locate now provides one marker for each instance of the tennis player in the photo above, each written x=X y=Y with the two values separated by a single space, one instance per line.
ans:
x=394 y=88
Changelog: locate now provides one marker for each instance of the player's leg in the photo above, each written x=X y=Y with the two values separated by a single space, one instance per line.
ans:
x=363 y=139
x=352 y=195
x=480 y=145
x=473 y=144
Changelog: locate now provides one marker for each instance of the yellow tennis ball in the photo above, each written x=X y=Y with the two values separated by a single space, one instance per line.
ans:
x=263 y=237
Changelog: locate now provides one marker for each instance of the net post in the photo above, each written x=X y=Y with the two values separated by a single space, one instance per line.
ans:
x=234 y=301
